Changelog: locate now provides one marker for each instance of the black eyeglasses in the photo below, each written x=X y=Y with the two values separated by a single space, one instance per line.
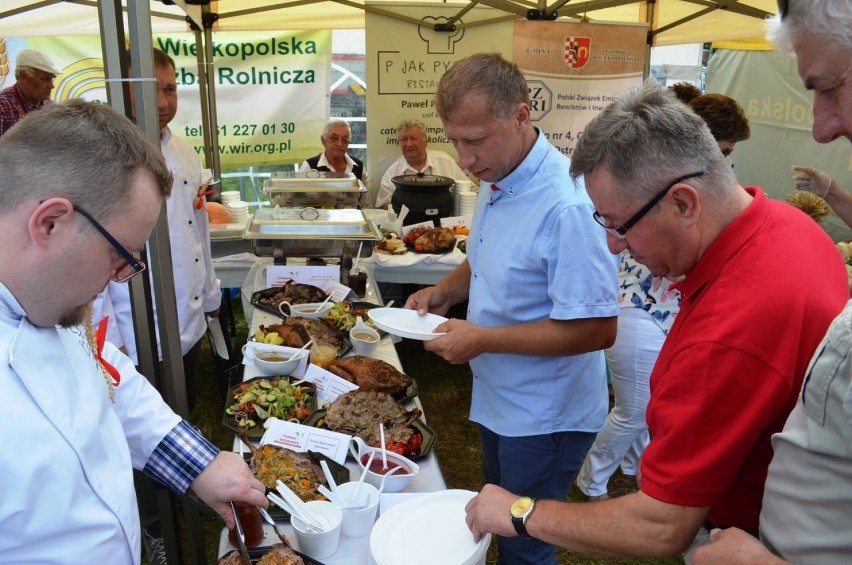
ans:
x=132 y=266
x=783 y=7
x=621 y=231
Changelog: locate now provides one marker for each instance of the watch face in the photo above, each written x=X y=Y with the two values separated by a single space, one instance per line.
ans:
x=521 y=506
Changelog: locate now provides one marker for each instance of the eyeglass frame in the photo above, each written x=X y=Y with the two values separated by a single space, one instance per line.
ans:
x=137 y=265
x=621 y=231
x=783 y=8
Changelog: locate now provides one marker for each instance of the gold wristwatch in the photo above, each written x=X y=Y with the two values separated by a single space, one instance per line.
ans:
x=520 y=512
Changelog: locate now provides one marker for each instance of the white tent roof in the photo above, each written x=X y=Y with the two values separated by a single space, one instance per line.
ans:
x=674 y=21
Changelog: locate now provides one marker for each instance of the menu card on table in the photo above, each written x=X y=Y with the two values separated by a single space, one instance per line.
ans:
x=277 y=275
x=300 y=438
x=328 y=385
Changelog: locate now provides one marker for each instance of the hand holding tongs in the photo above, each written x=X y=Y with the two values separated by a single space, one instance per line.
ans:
x=241 y=536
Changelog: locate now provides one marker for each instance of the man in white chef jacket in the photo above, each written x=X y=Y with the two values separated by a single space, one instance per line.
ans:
x=196 y=287
x=80 y=191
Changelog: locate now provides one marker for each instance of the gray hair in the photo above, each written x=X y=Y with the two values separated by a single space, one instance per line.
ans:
x=411 y=123
x=334 y=123
x=488 y=74
x=830 y=20
x=84 y=151
x=648 y=138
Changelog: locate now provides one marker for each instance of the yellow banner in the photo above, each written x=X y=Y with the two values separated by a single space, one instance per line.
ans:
x=271 y=88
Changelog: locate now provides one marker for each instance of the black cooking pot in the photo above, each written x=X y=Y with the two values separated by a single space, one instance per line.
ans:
x=427 y=197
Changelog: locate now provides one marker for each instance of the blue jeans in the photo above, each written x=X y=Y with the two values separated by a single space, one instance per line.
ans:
x=541 y=466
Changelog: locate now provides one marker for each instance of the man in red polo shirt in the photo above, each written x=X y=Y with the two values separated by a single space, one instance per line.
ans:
x=762 y=282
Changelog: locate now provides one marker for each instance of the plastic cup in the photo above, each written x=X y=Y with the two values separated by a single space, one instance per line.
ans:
x=358 y=283
x=357 y=523
x=323 y=354
x=319 y=545
x=252 y=525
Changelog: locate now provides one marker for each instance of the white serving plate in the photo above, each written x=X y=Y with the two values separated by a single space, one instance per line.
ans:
x=438 y=522
x=407 y=323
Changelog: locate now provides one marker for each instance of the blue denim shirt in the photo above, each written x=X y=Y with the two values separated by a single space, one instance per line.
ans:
x=535 y=253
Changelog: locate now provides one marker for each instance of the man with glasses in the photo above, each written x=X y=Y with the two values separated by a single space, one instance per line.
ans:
x=335 y=139
x=761 y=284
x=34 y=73
x=80 y=191
x=807 y=503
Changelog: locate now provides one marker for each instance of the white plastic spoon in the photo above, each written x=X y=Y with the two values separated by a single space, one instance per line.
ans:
x=323 y=303
x=384 y=449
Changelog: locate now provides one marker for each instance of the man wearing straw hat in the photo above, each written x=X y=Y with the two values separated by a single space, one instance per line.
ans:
x=34 y=73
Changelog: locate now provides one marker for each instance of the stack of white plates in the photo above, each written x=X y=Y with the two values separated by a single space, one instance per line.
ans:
x=230 y=196
x=465 y=201
x=239 y=211
x=442 y=536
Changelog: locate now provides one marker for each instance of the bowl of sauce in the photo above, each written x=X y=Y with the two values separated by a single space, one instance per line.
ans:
x=274 y=360
x=376 y=472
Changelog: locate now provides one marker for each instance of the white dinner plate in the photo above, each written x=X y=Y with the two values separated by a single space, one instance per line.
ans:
x=407 y=323
x=437 y=520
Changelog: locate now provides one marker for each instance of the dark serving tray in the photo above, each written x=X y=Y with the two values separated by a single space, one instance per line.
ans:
x=257 y=553
x=269 y=292
x=230 y=422
x=317 y=420
x=338 y=471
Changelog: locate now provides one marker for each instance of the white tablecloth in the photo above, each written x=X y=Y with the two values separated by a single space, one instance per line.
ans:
x=352 y=551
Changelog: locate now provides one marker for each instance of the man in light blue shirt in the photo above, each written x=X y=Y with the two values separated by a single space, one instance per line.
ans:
x=542 y=289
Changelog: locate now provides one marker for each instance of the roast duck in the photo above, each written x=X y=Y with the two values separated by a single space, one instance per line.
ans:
x=296 y=331
x=294 y=293
x=359 y=413
x=371 y=375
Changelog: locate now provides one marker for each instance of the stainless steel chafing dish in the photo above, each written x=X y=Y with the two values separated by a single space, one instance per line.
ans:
x=315 y=188
x=308 y=232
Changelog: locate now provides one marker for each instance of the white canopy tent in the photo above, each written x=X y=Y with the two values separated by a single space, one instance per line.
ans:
x=673 y=22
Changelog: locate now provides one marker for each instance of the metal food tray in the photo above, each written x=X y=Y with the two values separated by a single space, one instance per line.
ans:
x=327 y=190
x=311 y=223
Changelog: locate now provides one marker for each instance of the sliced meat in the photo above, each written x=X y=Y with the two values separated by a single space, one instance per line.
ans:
x=359 y=413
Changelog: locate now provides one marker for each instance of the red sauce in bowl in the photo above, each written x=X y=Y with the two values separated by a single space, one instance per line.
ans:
x=377 y=466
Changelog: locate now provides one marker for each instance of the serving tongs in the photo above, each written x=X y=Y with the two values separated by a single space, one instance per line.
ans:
x=241 y=536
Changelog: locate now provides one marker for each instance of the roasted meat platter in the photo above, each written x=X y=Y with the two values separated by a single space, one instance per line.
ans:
x=292 y=292
x=296 y=331
x=375 y=375
x=359 y=413
x=430 y=240
x=299 y=471
x=277 y=554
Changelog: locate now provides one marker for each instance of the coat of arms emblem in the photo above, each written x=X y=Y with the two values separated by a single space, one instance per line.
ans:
x=577 y=51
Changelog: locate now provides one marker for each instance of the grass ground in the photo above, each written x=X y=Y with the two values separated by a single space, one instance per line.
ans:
x=445 y=393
